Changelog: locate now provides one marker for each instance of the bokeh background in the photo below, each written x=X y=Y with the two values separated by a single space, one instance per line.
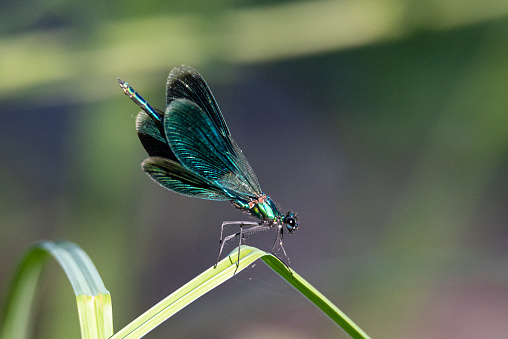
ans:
x=383 y=123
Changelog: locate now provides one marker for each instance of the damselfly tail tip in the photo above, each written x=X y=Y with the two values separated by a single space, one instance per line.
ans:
x=121 y=82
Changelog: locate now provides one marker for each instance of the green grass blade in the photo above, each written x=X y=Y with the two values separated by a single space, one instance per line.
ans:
x=225 y=270
x=17 y=310
x=93 y=300
x=314 y=296
x=186 y=294
x=92 y=297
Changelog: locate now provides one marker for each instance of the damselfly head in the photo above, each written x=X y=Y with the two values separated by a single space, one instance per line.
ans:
x=291 y=221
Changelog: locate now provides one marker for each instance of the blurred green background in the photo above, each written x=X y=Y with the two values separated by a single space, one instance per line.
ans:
x=383 y=123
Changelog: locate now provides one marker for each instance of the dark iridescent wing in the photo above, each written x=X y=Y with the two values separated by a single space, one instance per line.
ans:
x=151 y=138
x=163 y=166
x=184 y=82
x=175 y=177
x=217 y=170
x=201 y=148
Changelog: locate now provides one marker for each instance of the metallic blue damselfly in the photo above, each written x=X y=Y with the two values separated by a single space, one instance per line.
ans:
x=192 y=153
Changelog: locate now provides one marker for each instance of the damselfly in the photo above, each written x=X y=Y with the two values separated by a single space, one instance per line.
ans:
x=192 y=153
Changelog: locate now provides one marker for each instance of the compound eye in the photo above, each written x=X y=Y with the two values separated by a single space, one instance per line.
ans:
x=291 y=222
